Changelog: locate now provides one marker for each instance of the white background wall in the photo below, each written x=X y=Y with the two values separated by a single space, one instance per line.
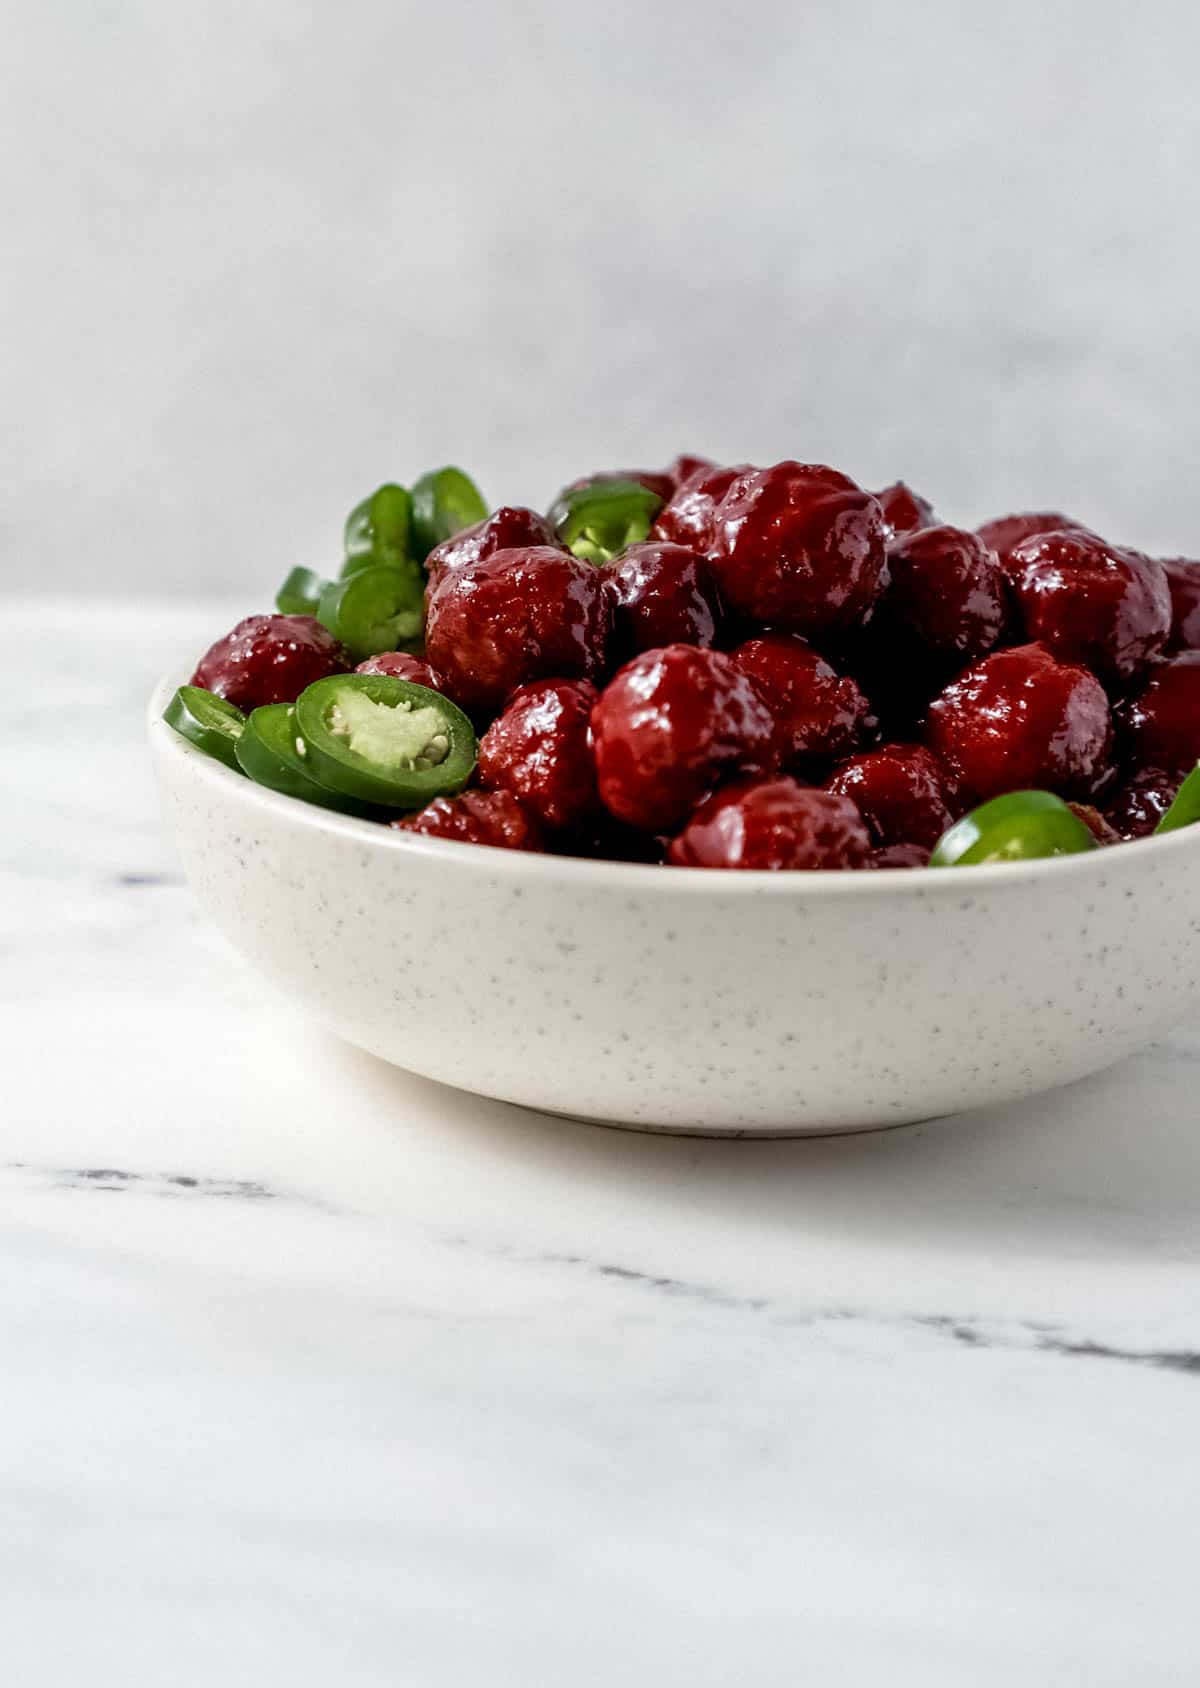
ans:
x=257 y=257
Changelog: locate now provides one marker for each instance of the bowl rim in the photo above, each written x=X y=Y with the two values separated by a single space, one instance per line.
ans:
x=629 y=876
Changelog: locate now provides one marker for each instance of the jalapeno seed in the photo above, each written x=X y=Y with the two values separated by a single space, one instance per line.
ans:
x=385 y=741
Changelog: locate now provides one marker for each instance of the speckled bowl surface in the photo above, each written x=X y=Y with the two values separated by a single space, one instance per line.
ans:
x=681 y=1000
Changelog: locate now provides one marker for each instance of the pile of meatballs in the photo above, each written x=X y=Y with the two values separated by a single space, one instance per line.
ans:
x=789 y=673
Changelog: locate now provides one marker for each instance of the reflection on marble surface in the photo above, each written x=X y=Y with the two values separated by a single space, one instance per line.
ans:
x=318 y=1372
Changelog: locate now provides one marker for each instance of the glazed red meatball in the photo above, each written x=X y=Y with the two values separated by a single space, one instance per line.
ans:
x=1089 y=602
x=685 y=467
x=774 y=824
x=902 y=791
x=516 y=616
x=691 y=513
x=900 y=855
x=947 y=591
x=540 y=749
x=404 y=666
x=671 y=724
x=817 y=711
x=904 y=510
x=1006 y=532
x=477 y=817
x=799 y=546
x=510 y=528
x=1160 y=727
x=664 y=596
x=270 y=659
x=1020 y=719
x=1136 y=809
x=1183 y=578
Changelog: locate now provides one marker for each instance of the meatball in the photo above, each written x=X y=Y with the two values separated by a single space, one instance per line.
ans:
x=664 y=596
x=689 y=517
x=1183 y=578
x=774 y=824
x=270 y=659
x=668 y=726
x=1021 y=719
x=1006 y=532
x=404 y=666
x=947 y=593
x=519 y=615
x=685 y=466
x=1160 y=727
x=902 y=792
x=1136 y=809
x=477 y=817
x=1092 y=603
x=900 y=855
x=904 y=510
x=799 y=546
x=509 y=528
x=540 y=749
x=817 y=711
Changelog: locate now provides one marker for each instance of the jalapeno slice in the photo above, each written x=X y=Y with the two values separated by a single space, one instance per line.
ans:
x=443 y=503
x=598 y=521
x=206 y=721
x=379 y=530
x=375 y=609
x=300 y=593
x=272 y=753
x=1185 y=806
x=385 y=741
x=1018 y=827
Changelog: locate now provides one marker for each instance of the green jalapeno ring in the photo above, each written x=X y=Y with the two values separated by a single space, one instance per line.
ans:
x=1020 y=826
x=209 y=722
x=444 y=501
x=385 y=741
x=272 y=754
x=599 y=520
x=378 y=608
x=1184 y=809
x=379 y=529
x=300 y=593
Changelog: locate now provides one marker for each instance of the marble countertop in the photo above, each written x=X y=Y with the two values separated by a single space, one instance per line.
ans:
x=318 y=1373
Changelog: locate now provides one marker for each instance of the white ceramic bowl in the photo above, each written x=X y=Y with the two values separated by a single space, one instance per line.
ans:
x=676 y=999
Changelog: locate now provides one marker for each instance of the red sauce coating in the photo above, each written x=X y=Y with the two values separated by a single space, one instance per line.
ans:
x=1005 y=533
x=511 y=527
x=477 y=817
x=517 y=616
x=904 y=510
x=403 y=666
x=664 y=596
x=269 y=659
x=902 y=791
x=1160 y=726
x=947 y=592
x=1183 y=578
x=773 y=824
x=818 y=712
x=1021 y=720
x=800 y=547
x=540 y=749
x=690 y=516
x=1092 y=603
x=669 y=726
